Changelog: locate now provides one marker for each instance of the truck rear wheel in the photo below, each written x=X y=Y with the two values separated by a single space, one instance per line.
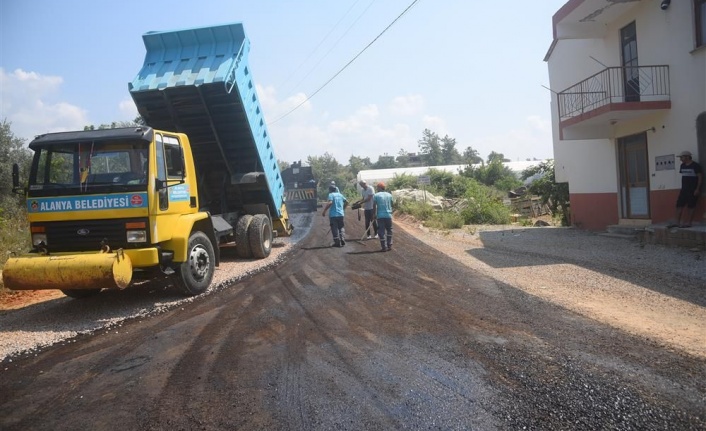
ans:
x=195 y=275
x=80 y=293
x=260 y=236
x=242 y=243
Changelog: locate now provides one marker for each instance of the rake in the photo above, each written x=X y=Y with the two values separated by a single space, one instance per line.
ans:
x=367 y=232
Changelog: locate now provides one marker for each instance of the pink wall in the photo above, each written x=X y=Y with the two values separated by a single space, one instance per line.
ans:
x=663 y=206
x=597 y=211
x=594 y=211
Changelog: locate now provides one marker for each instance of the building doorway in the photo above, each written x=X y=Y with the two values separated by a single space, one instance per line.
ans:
x=631 y=70
x=634 y=176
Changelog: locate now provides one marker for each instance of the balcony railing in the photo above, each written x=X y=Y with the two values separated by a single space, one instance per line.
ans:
x=614 y=85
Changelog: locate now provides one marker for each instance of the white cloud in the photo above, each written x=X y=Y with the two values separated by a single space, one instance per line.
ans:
x=275 y=109
x=33 y=103
x=436 y=125
x=127 y=108
x=540 y=124
x=407 y=106
x=29 y=103
x=529 y=139
x=368 y=131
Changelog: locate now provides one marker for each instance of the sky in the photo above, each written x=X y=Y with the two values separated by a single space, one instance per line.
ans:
x=470 y=70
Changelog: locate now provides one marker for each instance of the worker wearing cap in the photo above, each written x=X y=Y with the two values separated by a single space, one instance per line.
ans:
x=382 y=209
x=692 y=178
x=337 y=202
x=367 y=192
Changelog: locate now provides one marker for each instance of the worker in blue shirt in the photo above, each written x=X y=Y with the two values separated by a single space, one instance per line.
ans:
x=382 y=210
x=337 y=204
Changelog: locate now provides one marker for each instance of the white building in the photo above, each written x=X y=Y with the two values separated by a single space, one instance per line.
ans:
x=629 y=83
x=373 y=176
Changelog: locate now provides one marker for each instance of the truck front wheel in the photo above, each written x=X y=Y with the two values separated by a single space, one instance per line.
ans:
x=195 y=275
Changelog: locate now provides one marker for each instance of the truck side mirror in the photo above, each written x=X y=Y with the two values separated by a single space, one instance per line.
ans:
x=16 y=180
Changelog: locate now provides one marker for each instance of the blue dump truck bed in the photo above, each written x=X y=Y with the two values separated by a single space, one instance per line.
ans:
x=198 y=82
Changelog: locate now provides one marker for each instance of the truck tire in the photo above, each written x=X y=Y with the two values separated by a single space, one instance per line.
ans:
x=80 y=293
x=194 y=276
x=260 y=236
x=242 y=243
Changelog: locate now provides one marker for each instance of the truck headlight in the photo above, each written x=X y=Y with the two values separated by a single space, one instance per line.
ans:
x=39 y=238
x=136 y=236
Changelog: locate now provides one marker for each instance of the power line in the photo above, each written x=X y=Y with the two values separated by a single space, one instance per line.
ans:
x=317 y=46
x=335 y=44
x=349 y=63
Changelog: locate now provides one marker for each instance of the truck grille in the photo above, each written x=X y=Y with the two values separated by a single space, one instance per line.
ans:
x=86 y=235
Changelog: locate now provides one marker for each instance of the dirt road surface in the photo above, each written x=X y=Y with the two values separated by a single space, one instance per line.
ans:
x=352 y=338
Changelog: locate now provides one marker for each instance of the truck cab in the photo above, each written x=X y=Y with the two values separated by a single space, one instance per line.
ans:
x=108 y=205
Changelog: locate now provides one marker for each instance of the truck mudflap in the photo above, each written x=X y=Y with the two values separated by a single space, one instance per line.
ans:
x=68 y=272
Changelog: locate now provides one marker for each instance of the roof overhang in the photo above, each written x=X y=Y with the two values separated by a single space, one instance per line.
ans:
x=586 y=19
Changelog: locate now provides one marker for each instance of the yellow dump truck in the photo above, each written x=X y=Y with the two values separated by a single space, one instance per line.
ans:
x=107 y=207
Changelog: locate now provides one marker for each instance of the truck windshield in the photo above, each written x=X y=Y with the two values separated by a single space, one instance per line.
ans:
x=89 y=167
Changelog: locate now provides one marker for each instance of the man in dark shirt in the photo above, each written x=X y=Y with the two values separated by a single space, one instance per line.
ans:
x=692 y=177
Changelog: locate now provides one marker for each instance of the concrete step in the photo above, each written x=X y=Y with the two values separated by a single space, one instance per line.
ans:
x=618 y=235
x=692 y=238
x=627 y=230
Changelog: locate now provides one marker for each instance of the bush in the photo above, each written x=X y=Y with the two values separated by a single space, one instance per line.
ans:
x=447 y=184
x=14 y=232
x=404 y=181
x=418 y=210
x=485 y=206
x=444 y=221
x=494 y=174
x=554 y=194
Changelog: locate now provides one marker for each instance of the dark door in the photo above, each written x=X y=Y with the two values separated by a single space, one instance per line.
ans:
x=631 y=71
x=634 y=176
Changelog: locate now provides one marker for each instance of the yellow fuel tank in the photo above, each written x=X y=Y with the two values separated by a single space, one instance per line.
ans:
x=74 y=271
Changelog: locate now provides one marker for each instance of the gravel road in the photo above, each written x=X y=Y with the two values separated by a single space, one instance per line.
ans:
x=649 y=290
x=480 y=328
x=29 y=329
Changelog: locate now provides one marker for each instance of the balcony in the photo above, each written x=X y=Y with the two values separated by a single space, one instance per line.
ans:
x=589 y=109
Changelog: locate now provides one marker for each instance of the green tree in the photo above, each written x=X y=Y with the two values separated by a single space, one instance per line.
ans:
x=554 y=195
x=430 y=148
x=326 y=169
x=12 y=150
x=138 y=121
x=449 y=153
x=282 y=165
x=14 y=228
x=497 y=156
x=402 y=158
x=471 y=156
x=358 y=164
x=385 y=162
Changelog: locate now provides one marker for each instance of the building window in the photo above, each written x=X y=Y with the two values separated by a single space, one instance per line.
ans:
x=700 y=17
